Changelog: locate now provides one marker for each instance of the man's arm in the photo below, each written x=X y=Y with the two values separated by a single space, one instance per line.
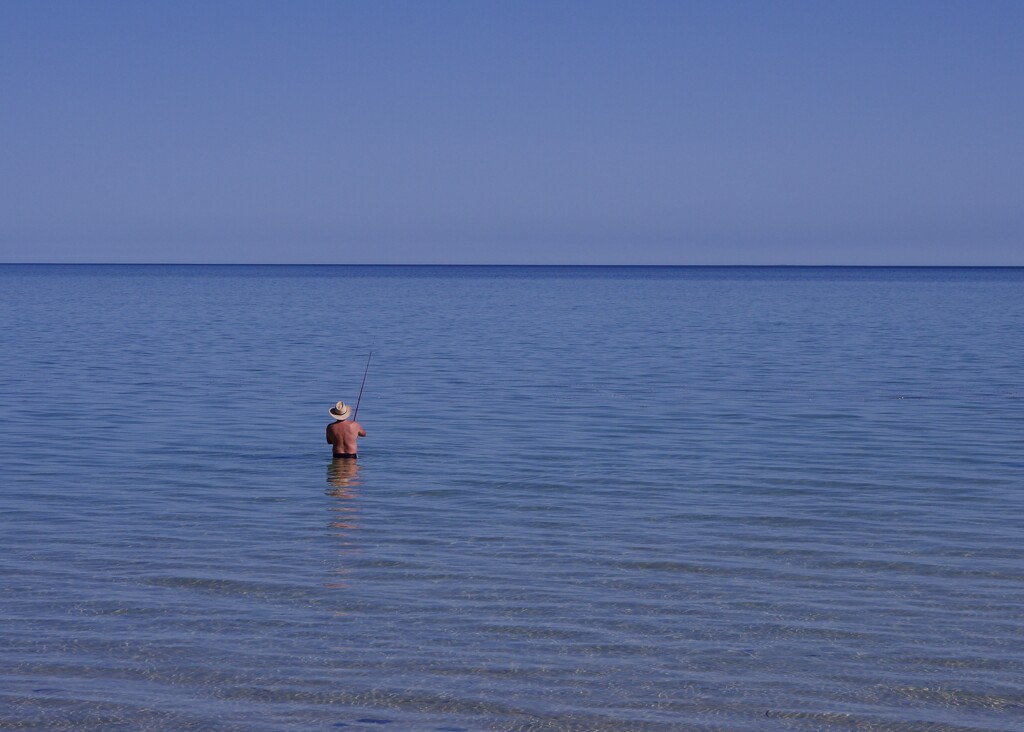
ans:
x=329 y=435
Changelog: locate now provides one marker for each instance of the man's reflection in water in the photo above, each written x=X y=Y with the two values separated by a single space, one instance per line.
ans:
x=342 y=481
x=342 y=476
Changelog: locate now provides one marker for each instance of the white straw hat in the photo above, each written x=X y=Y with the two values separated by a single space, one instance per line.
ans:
x=340 y=411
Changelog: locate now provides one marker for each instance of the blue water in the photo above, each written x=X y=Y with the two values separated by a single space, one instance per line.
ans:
x=589 y=499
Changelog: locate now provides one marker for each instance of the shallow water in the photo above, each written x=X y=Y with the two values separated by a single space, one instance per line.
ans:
x=590 y=499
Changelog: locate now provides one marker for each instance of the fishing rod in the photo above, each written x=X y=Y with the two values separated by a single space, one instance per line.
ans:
x=360 y=398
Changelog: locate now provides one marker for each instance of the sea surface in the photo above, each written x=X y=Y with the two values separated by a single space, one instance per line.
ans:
x=589 y=499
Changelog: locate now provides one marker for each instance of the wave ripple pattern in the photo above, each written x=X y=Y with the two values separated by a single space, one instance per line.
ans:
x=590 y=499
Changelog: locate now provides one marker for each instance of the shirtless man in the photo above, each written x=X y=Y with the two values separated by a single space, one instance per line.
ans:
x=342 y=434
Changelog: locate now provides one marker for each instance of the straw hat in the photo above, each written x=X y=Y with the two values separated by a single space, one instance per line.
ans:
x=340 y=411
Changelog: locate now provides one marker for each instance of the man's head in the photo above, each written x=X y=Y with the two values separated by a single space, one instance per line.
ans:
x=340 y=411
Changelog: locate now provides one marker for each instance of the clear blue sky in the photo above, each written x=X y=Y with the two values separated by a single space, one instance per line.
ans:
x=512 y=132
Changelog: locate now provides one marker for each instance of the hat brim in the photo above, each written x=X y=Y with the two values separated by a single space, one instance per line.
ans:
x=339 y=415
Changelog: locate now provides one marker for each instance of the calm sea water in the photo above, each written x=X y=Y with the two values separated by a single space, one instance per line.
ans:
x=590 y=499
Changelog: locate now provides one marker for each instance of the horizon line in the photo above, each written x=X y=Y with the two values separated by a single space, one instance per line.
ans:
x=507 y=264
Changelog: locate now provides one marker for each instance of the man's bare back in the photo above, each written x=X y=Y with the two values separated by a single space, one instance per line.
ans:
x=343 y=436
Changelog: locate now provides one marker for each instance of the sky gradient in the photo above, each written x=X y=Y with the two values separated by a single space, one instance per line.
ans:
x=520 y=132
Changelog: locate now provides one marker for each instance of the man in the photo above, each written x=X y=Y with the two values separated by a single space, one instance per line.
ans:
x=342 y=434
